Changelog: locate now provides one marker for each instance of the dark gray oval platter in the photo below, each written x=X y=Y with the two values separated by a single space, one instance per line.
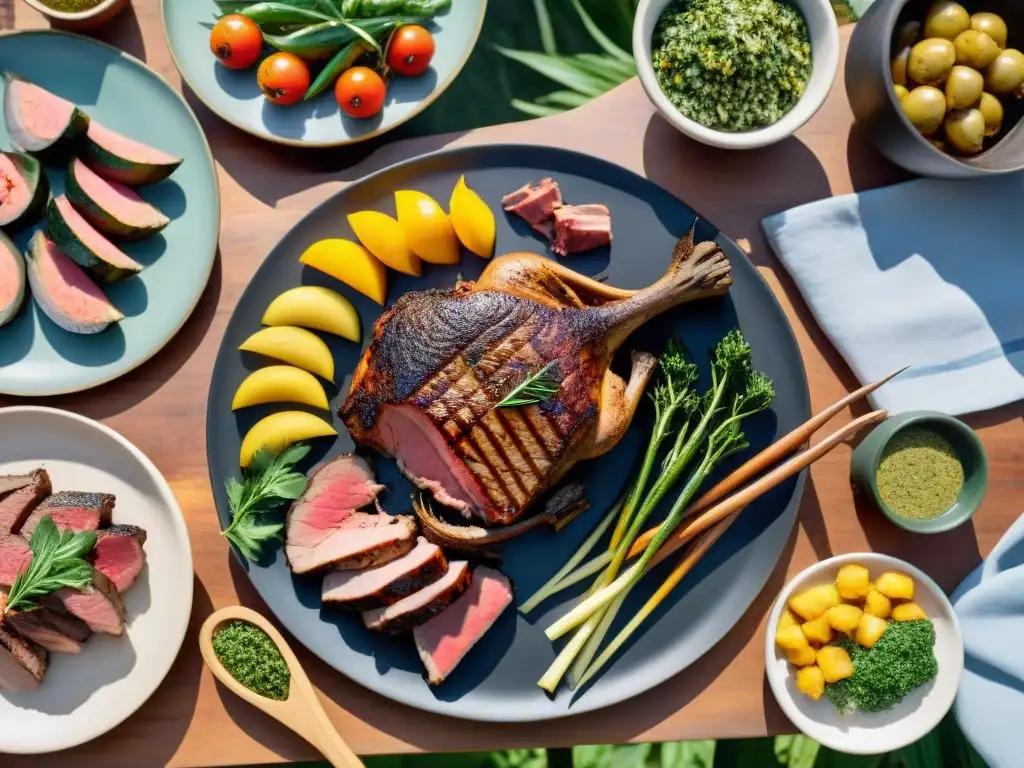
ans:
x=497 y=681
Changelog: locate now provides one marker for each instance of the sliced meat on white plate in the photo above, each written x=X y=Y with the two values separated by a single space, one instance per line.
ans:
x=99 y=605
x=15 y=556
x=54 y=630
x=119 y=554
x=72 y=510
x=420 y=606
x=386 y=584
x=16 y=506
x=22 y=662
x=444 y=640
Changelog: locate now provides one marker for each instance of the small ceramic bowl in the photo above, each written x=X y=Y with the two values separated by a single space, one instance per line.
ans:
x=824 y=33
x=969 y=449
x=874 y=103
x=866 y=733
x=90 y=19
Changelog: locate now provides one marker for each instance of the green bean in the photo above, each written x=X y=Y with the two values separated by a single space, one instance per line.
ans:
x=280 y=13
x=367 y=9
x=321 y=41
x=341 y=61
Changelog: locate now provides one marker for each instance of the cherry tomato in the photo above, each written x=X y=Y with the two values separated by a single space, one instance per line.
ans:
x=236 y=41
x=360 y=92
x=283 y=78
x=411 y=50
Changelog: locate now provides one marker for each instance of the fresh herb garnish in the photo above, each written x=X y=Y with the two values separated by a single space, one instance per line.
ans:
x=58 y=561
x=268 y=482
x=538 y=387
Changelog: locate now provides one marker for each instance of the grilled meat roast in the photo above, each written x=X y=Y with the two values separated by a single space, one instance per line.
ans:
x=439 y=362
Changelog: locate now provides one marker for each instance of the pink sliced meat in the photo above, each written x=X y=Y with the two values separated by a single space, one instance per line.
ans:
x=53 y=630
x=119 y=554
x=10 y=483
x=581 y=228
x=444 y=640
x=22 y=662
x=363 y=540
x=535 y=202
x=422 y=605
x=73 y=510
x=16 y=506
x=386 y=584
x=15 y=555
x=99 y=605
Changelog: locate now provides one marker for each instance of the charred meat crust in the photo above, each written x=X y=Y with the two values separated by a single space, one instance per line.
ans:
x=420 y=575
x=409 y=619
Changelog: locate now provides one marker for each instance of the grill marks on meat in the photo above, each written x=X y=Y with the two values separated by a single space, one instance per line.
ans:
x=17 y=505
x=581 y=228
x=422 y=605
x=119 y=554
x=73 y=510
x=444 y=640
x=386 y=584
x=446 y=359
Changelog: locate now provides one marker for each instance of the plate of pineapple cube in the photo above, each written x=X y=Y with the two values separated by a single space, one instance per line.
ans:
x=864 y=653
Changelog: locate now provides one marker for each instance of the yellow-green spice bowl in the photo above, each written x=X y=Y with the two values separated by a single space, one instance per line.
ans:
x=968 y=447
x=80 y=21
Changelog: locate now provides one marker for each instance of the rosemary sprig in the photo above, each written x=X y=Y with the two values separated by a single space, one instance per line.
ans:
x=539 y=387
x=58 y=560
x=267 y=483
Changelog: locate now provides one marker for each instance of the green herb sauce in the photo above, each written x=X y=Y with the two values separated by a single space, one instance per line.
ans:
x=919 y=476
x=71 y=6
x=902 y=660
x=251 y=657
x=732 y=65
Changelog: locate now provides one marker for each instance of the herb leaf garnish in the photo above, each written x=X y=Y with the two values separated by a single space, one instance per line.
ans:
x=58 y=560
x=267 y=483
x=538 y=387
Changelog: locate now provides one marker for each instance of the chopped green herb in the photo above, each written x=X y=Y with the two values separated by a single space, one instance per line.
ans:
x=732 y=65
x=902 y=660
x=920 y=475
x=250 y=656
x=71 y=6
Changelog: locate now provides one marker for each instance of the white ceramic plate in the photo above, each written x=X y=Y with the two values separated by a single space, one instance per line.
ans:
x=870 y=733
x=87 y=695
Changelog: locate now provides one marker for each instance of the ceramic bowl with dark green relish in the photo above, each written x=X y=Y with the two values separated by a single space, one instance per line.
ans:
x=78 y=15
x=737 y=74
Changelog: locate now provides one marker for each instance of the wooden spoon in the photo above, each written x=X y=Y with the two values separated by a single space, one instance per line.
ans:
x=301 y=711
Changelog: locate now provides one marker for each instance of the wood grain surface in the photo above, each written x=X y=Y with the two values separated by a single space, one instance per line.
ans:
x=192 y=721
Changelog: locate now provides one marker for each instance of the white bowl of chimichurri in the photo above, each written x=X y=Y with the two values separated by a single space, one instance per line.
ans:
x=736 y=74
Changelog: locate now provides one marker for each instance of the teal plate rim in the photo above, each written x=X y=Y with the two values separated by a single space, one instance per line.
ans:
x=51 y=391
x=433 y=96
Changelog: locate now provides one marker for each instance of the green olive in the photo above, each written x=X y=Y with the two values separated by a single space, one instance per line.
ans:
x=946 y=19
x=965 y=130
x=1005 y=74
x=900 y=91
x=991 y=109
x=931 y=60
x=899 y=66
x=991 y=25
x=964 y=87
x=975 y=49
x=925 y=107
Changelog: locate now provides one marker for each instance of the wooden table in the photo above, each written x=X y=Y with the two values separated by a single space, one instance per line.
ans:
x=191 y=721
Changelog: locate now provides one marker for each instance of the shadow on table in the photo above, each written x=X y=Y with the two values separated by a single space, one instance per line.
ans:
x=123 y=32
x=869 y=168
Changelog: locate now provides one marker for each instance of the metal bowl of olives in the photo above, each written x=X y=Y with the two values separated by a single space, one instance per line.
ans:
x=939 y=84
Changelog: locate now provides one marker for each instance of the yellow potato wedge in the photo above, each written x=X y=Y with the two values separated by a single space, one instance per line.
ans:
x=790 y=638
x=801 y=657
x=297 y=346
x=280 y=384
x=908 y=612
x=384 y=238
x=351 y=264
x=428 y=230
x=835 y=663
x=895 y=585
x=877 y=604
x=472 y=220
x=870 y=630
x=811 y=681
x=818 y=631
x=787 y=619
x=853 y=582
x=279 y=430
x=310 y=306
x=844 y=618
x=812 y=603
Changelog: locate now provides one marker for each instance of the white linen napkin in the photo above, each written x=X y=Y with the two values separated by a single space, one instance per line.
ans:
x=929 y=273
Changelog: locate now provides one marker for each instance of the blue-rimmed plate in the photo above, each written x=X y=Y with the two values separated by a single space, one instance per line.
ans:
x=498 y=681
x=36 y=356
x=235 y=96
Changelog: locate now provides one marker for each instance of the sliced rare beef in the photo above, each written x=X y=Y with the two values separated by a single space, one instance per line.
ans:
x=22 y=662
x=16 y=506
x=323 y=526
x=99 y=605
x=420 y=606
x=56 y=631
x=119 y=554
x=581 y=228
x=386 y=584
x=535 y=202
x=444 y=640
x=14 y=556
x=74 y=510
